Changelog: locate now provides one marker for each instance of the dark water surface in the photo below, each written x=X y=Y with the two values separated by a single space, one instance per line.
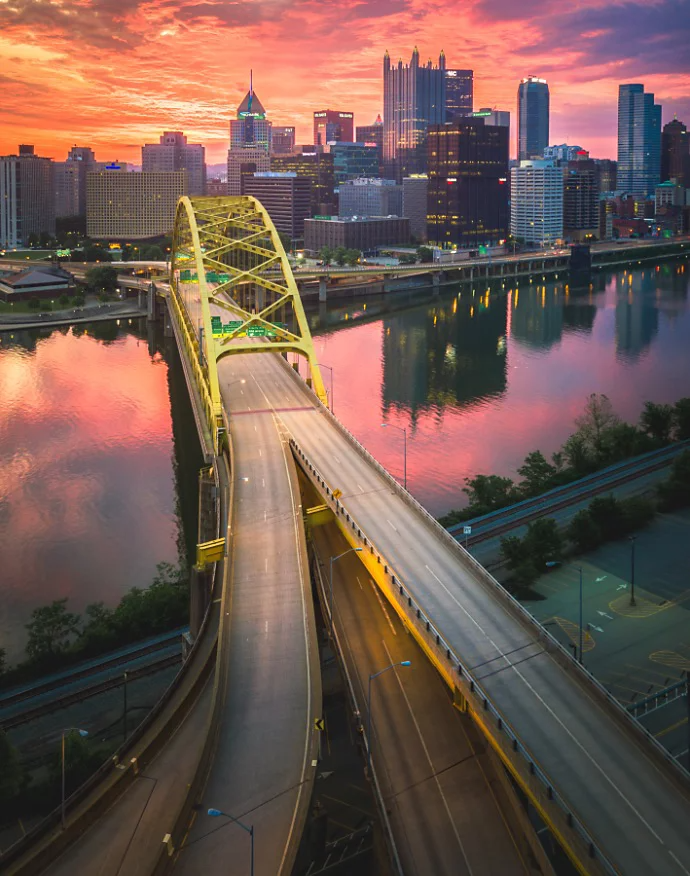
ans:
x=97 y=467
x=480 y=380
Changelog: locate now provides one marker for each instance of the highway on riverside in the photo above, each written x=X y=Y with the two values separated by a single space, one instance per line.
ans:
x=262 y=769
x=635 y=813
x=448 y=811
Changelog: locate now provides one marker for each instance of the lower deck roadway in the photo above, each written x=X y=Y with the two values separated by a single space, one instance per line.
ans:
x=448 y=810
x=635 y=813
x=262 y=766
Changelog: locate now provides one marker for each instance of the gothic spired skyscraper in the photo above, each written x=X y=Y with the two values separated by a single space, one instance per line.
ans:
x=251 y=127
x=413 y=98
x=639 y=141
x=533 y=117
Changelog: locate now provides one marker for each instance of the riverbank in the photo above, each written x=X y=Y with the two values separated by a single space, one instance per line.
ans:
x=89 y=313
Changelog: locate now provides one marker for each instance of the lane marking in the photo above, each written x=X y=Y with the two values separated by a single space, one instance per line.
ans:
x=391 y=525
x=383 y=607
x=359 y=582
x=361 y=488
x=336 y=459
x=263 y=482
x=429 y=761
x=559 y=722
x=260 y=453
x=266 y=564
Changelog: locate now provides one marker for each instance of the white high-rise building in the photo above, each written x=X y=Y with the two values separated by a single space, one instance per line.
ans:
x=27 y=197
x=70 y=181
x=174 y=153
x=122 y=205
x=245 y=160
x=370 y=197
x=536 y=208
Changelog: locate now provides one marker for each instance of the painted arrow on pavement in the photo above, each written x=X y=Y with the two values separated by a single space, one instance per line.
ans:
x=598 y=629
x=603 y=578
x=603 y=614
x=622 y=587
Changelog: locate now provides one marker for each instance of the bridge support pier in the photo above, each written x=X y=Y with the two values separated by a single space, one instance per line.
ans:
x=141 y=299
x=151 y=311
x=436 y=280
x=323 y=289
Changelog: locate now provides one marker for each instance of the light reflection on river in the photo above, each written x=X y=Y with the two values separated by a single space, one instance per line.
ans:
x=480 y=380
x=88 y=492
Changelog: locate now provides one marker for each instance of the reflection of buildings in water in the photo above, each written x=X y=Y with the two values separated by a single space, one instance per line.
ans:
x=536 y=317
x=578 y=316
x=453 y=353
x=672 y=280
x=637 y=322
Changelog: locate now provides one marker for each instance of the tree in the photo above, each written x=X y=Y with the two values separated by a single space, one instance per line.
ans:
x=326 y=255
x=657 y=421
x=51 y=630
x=152 y=254
x=537 y=474
x=597 y=417
x=32 y=240
x=45 y=239
x=286 y=240
x=3 y=662
x=94 y=252
x=101 y=279
x=607 y=514
x=577 y=456
x=425 y=254
x=35 y=303
x=352 y=257
x=621 y=441
x=80 y=762
x=407 y=258
x=543 y=541
x=583 y=532
x=681 y=419
x=340 y=255
x=64 y=299
x=127 y=252
x=488 y=492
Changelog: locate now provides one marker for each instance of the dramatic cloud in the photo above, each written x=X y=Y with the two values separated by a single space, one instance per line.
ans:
x=114 y=74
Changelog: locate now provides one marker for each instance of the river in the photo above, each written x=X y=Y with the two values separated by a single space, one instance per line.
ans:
x=98 y=454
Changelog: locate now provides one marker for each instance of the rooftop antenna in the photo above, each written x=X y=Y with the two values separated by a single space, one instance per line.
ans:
x=251 y=89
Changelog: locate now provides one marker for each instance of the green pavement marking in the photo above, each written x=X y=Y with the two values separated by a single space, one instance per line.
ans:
x=672 y=727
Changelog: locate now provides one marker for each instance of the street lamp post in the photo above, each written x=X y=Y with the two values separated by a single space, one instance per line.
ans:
x=580 y=649
x=216 y=813
x=330 y=598
x=632 y=539
x=321 y=365
x=124 y=709
x=371 y=678
x=404 y=431
x=62 y=804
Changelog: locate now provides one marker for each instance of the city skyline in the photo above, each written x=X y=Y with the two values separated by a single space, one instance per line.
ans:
x=113 y=76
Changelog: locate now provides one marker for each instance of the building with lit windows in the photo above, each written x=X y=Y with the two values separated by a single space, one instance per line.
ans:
x=675 y=153
x=414 y=97
x=354 y=161
x=245 y=161
x=70 y=181
x=122 y=205
x=333 y=126
x=372 y=135
x=363 y=234
x=563 y=152
x=173 y=152
x=580 y=199
x=536 y=205
x=313 y=164
x=27 y=197
x=467 y=195
x=459 y=94
x=533 y=117
x=639 y=141
x=251 y=127
x=286 y=197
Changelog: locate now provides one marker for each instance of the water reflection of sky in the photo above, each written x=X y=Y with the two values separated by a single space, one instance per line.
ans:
x=87 y=500
x=480 y=381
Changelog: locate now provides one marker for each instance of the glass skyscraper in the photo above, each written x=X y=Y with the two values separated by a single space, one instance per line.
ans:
x=533 y=117
x=414 y=97
x=639 y=141
x=459 y=94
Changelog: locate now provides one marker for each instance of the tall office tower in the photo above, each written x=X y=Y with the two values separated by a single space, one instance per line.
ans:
x=675 y=153
x=312 y=163
x=369 y=197
x=639 y=141
x=251 y=127
x=282 y=139
x=565 y=153
x=581 y=199
x=354 y=161
x=414 y=97
x=286 y=196
x=27 y=197
x=536 y=202
x=245 y=161
x=467 y=195
x=607 y=174
x=174 y=153
x=70 y=181
x=459 y=94
x=132 y=205
x=414 y=197
x=533 y=117
x=333 y=126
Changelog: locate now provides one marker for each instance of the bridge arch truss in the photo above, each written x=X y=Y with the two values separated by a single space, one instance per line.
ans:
x=232 y=291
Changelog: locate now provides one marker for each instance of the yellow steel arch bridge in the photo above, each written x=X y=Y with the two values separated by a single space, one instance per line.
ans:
x=232 y=290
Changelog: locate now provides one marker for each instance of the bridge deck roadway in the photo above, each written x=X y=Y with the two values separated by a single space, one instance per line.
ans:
x=636 y=814
x=262 y=766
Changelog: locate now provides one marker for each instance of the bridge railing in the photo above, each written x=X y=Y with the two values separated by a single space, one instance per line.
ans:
x=566 y=659
x=565 y=823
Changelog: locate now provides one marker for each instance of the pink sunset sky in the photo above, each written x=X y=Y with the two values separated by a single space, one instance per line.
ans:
x=113 y=74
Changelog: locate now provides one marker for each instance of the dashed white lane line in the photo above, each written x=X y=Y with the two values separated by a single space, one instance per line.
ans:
x=567 y=731
x=429 y=761
x=336 y=459
x=263 y=482
x=383 y=607
x=359 y=582
x=394 y=529
x=266 y=564
x=361 y=488
x=260 y=453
